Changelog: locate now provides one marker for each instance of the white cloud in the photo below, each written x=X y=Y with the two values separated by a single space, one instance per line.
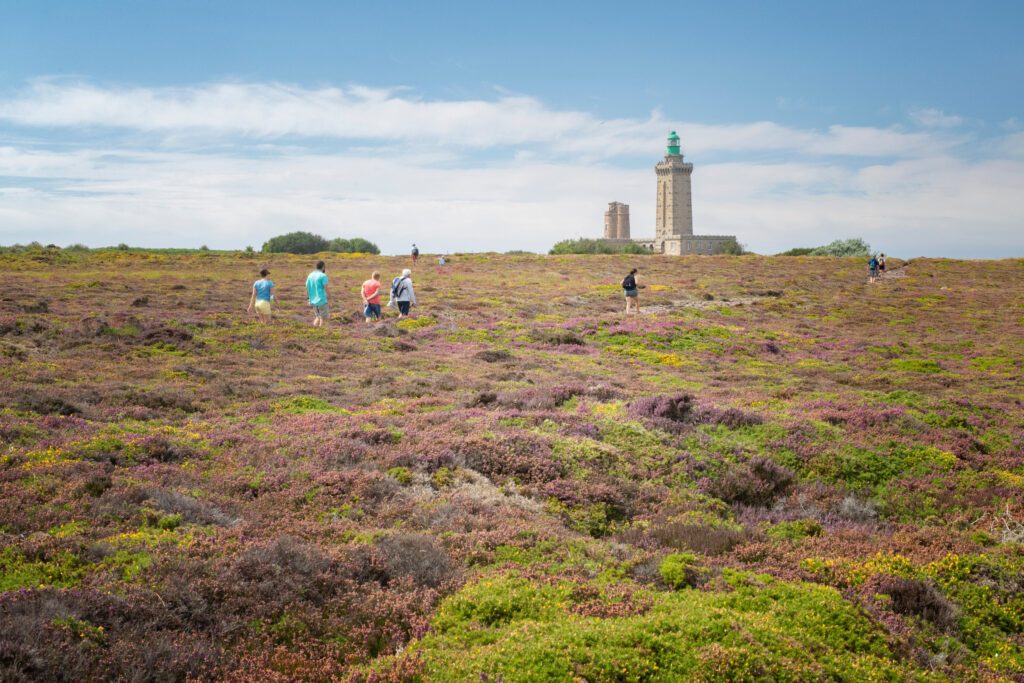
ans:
x=935 y=118
x=360 y=113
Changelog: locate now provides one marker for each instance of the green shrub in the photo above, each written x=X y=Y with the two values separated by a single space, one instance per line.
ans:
x=298 y=405
x=401 y=474
x=442 y=478
x=679 y=570
x=298 y=242
x=732 y=247
x=915 y=365
x=508 y=628
x=851 y=247
x=63 y=570
x=795 y=530
x=355 y=245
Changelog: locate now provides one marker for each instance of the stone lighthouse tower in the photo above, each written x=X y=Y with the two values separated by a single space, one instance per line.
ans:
x=675 y=206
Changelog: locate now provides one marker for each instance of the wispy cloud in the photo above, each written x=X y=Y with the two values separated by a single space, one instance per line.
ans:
x=935 y=118
x=232 y=164
x=360 y=113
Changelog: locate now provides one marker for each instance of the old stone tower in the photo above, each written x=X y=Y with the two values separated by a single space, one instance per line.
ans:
x=616 y=221
x=675 y=204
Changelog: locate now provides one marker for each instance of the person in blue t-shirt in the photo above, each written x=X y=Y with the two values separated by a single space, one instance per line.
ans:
x=262 y=295
x=316 y=287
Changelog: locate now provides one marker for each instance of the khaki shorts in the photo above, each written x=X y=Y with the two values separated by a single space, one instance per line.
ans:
x=263 y=307
x=323 y=311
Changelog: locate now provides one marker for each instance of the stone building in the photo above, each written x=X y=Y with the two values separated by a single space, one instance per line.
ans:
x=673 y=226
x=616 y=221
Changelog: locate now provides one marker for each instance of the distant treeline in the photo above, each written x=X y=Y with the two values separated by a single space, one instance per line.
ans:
x=292 y=243
x=307 y=243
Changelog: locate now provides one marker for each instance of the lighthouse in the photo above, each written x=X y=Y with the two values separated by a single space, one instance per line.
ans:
x=674 y=215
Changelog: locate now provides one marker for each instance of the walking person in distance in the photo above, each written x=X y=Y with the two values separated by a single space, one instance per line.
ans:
x=316 y=288
x=371 y=298
x=631 y=290
x=402 y=293
x=262 y=295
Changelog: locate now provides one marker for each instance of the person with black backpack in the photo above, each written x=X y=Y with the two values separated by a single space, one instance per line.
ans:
x=631 y=288
x=402 y=293
x=872 y=268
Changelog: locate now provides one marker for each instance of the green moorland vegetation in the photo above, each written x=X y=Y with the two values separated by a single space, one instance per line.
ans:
x=776 y=472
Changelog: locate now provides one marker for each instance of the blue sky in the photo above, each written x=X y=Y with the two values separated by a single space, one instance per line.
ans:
x=487 y=126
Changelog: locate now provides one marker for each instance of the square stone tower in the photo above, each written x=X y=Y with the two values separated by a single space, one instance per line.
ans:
x=675 y=205
x=616 y=221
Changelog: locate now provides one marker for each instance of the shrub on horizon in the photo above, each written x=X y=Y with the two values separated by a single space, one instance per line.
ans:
x=851 y=247
x=358 y=245
x=298 y=242
x=732 y=247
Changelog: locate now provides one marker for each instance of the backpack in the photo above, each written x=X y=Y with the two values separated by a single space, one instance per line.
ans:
x=397 y=287
x=629 y=282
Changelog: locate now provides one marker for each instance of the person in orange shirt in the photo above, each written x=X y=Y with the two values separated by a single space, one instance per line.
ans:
x=371 y=298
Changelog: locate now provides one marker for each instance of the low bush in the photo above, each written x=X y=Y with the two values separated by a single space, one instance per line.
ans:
x=758 y=482
x=45 y=404
x=704 y=539
x=557 y=337
x=921 y=599
x=418 y=557
x=538 y=398
x=269 y=578
x=680 y=570
x=493 y=355
x=511 y=629
x=674 y=412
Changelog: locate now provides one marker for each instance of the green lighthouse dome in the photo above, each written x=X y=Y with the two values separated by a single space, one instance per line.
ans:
x=673 y=144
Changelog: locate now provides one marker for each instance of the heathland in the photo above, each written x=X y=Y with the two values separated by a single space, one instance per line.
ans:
x=777 y=471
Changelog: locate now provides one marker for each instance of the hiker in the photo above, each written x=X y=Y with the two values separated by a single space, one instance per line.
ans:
x=872 y=268
x=881 y=265
x=371 y=298
x=631 y=289
x=415 y=252
x=402 y=293
x=441 y=261
x=316 y=287
x=262 y=295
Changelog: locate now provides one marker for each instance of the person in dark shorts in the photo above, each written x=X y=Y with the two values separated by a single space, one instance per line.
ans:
x=402 y=293
x=371 y=298
x=881 y=265
x=631 y=289
x=415 y=252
